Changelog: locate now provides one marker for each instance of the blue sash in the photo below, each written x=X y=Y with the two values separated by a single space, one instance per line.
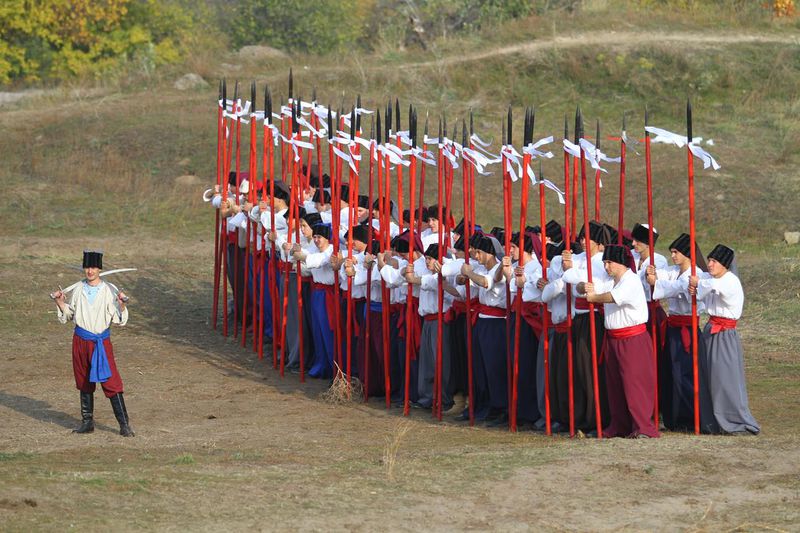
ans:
x=99 y=372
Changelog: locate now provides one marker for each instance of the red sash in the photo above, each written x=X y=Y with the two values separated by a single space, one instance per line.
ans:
x=330 y=301
x=684 y=322
x=561 y=327
x=719 y=323
x=532 y=313
x=582 y=304
x=624 y=333
x=460 y=307
x=482 y=309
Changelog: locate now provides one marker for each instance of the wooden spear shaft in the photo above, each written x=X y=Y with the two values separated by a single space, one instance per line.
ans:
x=568 y=221
x=592 y=317
x=651 y=251
x=217 y=243
x=693 y=254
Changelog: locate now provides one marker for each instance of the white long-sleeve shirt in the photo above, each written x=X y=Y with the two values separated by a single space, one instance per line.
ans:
x=673 y=286
x=723 y=297
x=320 y=266
x=641 y=270
x=579 y=274
x=97 y=316
x=629 y=307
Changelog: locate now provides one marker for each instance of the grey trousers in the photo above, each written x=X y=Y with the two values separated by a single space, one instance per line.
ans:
x=427 y=363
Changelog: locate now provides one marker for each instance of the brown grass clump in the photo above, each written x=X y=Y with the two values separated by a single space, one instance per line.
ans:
x=392 y=446
x=341 y=391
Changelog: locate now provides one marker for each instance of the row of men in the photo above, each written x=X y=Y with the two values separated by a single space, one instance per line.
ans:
x=626 y=290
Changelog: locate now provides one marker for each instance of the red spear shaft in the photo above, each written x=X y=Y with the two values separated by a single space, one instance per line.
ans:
x=469 y=225
x=597 y=179
x=622 y=150
x=693 y=253
x=651 y=248
x=440 y=286
x=545 y=313
x=568 y=221
x=299 y=269
x=368 y=304
x=353 y=222
x=507 y=244
x=236 y=296
x=588 y=252
x=526 y=160
x=386 y=306
x=217 y=243
x=251 y=167
x=412 y=182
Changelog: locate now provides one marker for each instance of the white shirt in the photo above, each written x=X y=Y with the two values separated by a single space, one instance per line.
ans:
x=661 y=262
x=97 y=316
x=494 y=295
x=320 y=266
x=429 y=295
x=673 y=286
x=629 y=307
x=554 y=293
x=579 y=274
x=723 y=297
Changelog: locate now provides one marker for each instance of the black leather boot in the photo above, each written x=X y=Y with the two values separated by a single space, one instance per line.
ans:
x=118 y=404
x=87 y=410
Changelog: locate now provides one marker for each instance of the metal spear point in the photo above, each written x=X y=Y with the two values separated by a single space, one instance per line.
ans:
x=509 y=136
x=689 y=120
x=425 y=128
x=353 y=124
x=463 y=132
x=224 y=93
x=291 y=84
x=358 y=116
x=444 y=124
x=397 y=114
x=410 y=113
x=378 y=126
x=253 y=95
x=388 y=118
x=331 y=125
x=267 y=105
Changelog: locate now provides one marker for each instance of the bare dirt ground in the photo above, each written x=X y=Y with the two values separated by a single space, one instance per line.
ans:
x=224 y=443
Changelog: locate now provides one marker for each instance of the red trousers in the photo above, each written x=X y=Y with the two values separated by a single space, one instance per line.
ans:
x=82 y=362
x=631 y=381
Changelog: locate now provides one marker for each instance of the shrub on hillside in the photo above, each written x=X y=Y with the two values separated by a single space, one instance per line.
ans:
x=60 y=39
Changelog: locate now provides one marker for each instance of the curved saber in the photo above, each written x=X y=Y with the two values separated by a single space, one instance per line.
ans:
x=102 y=274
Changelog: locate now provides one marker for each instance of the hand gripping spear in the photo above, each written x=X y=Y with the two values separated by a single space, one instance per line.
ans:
x=412 y=130
x=651 y=246
x=527 y=134
x=568 y=222
x=217 y=243
x=693 y=253
x=588 y=252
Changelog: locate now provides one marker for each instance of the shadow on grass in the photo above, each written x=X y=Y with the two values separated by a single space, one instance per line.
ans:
x=42 y=411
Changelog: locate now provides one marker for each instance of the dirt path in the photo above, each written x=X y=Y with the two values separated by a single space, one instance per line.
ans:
x=224 y=443
x=611 y=38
